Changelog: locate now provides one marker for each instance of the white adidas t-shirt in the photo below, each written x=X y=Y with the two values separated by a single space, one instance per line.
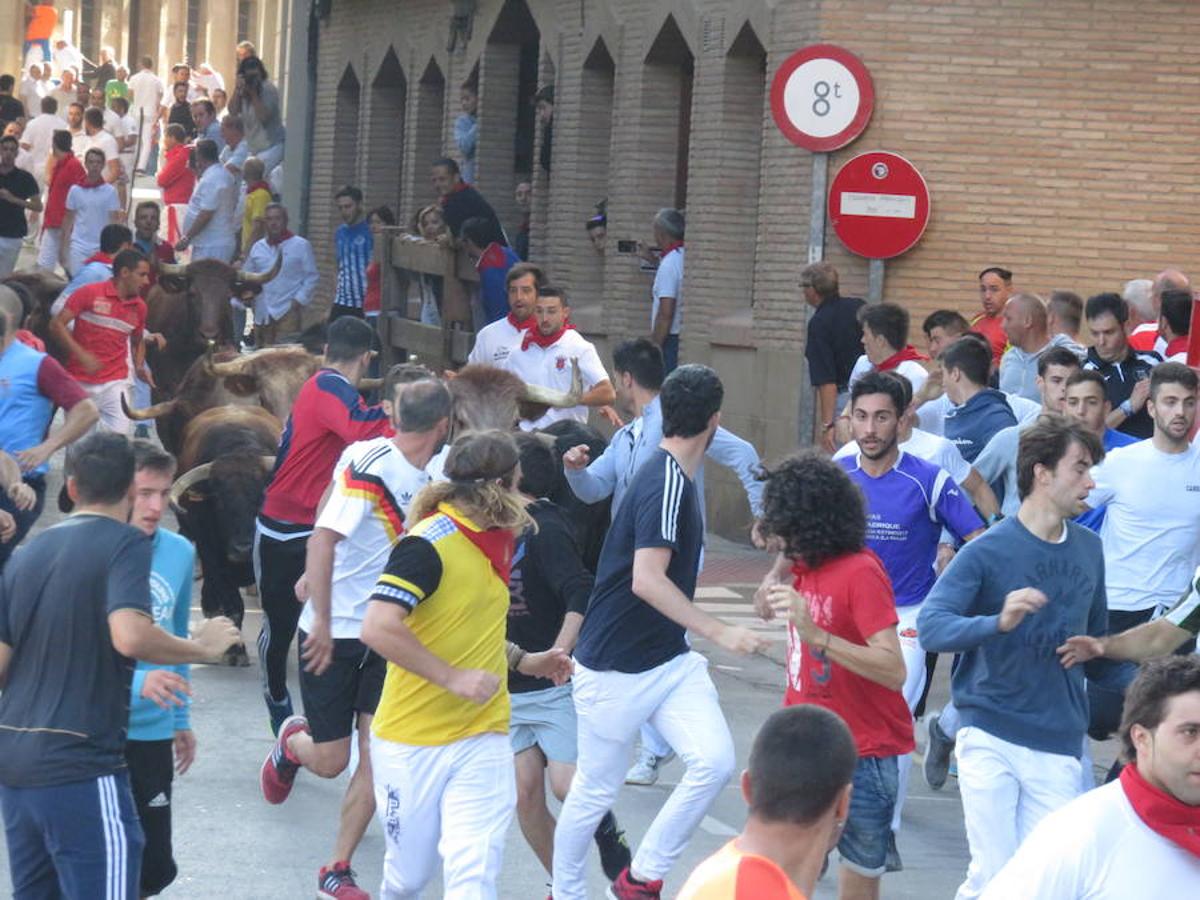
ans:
x=494 y=342
x=1096 y=848
x=373 y=485
x=1151 y=532
x=932 y=448
x=551 y=367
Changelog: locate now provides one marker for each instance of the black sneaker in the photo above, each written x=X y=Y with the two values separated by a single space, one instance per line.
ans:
x=938 y=747
x=614 y=848
x=893 y=862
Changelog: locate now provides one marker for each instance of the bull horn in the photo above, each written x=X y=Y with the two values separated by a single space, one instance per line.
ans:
x=268 y=462
x=150 y=412
x=258 y=279
x=370 y=384
x=186 y=481
x=536 y=393
x=220 y=369
x=171 y=270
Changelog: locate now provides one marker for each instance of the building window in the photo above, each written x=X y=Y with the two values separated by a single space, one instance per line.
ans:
x=87 y=28
x=192 y=38
x=247 y=15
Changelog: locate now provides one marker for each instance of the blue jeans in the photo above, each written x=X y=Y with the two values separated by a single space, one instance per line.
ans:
x=670 y=352
x=81 y=839
x=864 y=843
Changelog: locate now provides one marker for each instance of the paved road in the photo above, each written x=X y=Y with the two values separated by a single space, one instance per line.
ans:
x=231 y=845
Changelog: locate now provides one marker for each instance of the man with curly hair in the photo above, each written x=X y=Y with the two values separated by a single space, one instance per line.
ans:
x=843 y=652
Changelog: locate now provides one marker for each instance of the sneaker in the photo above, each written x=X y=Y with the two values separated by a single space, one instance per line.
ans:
x=336 y=882
x=938 y=748
x=237 y=657
x=625 y=888
x=279 y=711
x=892 y=862
x=614 y=848
x=279 y=769
x=645 y=769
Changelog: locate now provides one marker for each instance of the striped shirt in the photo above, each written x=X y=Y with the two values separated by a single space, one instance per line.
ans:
x=621 y=631
x=355 y=245
x=1185 y=613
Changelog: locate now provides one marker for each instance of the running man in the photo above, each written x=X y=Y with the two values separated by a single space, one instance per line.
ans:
x=633 y=662
x=341 y=679
x=843 y=653
x=75 y=611
x=548 y=588
x=328 y=415
x=161 y=741
x=440 y=753
x=1009 y=599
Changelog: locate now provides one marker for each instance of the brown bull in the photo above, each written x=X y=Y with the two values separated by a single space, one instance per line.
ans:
x=487 y=397
x=268 y=378
x=224 y=466
x=43 y=289
x=190 y=307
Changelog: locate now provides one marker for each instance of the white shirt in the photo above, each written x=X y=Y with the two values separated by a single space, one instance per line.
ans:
x=210 y=80
x=551 y=367
x=910 y=369
x=214 y=191
x=1096 y=848
x=930 y=447
x=68 y=57
x=297 y=279
x=373 y=485
x=668 y=282
x=932 y=416
x=494 y=342
x=31 y=96
x=101 y=140
x=1151 y=532
x=93 y=208
x=129 y=124
x=146 y=92
x=39 y=134
x=113 y=123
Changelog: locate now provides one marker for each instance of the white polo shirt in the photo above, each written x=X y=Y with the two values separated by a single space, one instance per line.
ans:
x=39 y=134
x=494 y=342
x=668 y=282
x=297 y=278
x=551 y=367
x=215 y=190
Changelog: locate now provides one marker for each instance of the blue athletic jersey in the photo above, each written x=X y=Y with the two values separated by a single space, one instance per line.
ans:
x=621 y=631
x=907 y=508
x=354 y=244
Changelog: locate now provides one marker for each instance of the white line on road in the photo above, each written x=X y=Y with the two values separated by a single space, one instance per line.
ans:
x=717 y=827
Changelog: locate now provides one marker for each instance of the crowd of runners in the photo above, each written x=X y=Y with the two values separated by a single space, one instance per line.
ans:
x=456 y=648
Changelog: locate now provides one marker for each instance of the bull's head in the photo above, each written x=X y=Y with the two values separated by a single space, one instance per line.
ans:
x=487 y=397
x=232 y=485
x=208 y=284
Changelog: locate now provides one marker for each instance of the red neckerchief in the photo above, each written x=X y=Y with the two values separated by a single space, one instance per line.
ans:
x=673 y=245
x=257 y=186
x=461 y=186
x=29 y=339
x=99 y=257
x=1176 y=345
x=908 y=353
x=93 y=184
x=496 y=544
x=283 y=237
x=529 y=322
x=1162 y=813
x=535 y=336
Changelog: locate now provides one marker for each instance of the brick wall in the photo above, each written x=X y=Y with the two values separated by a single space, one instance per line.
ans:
x=1056 y=140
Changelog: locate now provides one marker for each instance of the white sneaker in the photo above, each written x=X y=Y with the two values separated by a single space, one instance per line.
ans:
x=645 y=768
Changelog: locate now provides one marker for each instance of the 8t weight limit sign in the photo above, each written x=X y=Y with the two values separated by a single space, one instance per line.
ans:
x=822 y=97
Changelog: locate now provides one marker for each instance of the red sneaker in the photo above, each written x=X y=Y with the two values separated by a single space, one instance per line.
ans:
x=625 y=888
x=336 y=882
x=279 y=769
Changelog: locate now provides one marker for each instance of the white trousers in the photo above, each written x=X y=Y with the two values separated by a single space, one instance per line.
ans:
x=914 y=684
x=49 y=249
x=107 y=397
x=679 y=699
x=454 y=801
x=1006 y=790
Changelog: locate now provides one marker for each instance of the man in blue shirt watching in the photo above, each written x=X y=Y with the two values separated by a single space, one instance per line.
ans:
x=354 y=244
x=1005 y=603
x=160 y=740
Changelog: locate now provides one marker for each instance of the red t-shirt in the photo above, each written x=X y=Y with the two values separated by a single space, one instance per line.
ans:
x=68 y=172
x=850 y=597
x=373 y=301
x=104 y=326
x=992 y=328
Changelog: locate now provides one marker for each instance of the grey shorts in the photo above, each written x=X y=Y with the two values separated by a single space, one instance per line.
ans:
x=545 y=719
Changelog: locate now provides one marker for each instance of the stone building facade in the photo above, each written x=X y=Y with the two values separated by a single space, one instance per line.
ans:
x=1056 y=138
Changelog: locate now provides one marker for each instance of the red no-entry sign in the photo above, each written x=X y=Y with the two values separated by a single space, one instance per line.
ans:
x=822 y=97
x=878 y=205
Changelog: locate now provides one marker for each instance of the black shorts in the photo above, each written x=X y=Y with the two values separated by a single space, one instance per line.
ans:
x=352 y=684
x=151 y=770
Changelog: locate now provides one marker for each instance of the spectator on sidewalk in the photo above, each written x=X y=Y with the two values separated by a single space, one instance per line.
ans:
x=466 y=130
x=666 y=310
x=524 y=197
x=378 y=219
x=278 y=310
x=492 y=262
x=19 y=196
x=254 y=201
x=355 y=244
x=833 y=344
x=180 y=111
x=234 y=151
x=176 y=178
x=460 y=201
x=210 y=224
x=204 y=115
x=256 y=100
x=105 y=71
x=43 y=19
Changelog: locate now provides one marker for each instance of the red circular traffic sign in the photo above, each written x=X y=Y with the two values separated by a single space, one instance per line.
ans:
x=878 y=205
x=822 y=97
